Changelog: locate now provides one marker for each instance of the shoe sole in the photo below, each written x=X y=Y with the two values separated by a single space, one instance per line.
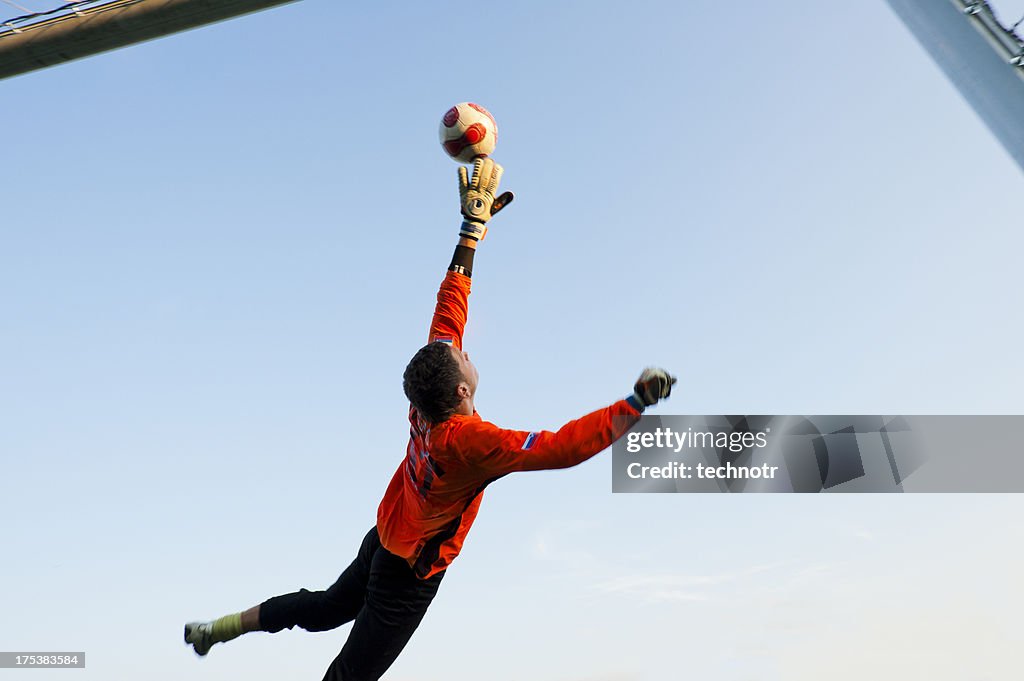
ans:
x=188 y=630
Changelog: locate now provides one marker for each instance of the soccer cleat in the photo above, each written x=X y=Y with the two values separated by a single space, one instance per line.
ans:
x=200 y=635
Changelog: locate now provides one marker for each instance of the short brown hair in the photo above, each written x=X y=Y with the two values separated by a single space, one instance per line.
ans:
x=431 y=381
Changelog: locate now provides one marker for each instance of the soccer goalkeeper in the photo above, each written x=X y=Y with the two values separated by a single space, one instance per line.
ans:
x=434 y=495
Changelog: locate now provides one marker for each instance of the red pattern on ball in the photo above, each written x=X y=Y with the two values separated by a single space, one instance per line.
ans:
x=474 y=134
x=485 y=112
x=451 y=117
x=455 y=147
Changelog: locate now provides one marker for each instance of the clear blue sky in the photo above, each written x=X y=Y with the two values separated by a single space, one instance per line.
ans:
x=218 y=251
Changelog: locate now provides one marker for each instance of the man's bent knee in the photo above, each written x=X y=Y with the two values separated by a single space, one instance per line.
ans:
x=309 y=610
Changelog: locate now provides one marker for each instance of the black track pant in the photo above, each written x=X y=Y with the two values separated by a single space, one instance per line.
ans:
x=379 y=591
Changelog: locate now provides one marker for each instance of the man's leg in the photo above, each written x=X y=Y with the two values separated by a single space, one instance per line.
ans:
x=310 y=610
x=396 y=601
x=324 y=610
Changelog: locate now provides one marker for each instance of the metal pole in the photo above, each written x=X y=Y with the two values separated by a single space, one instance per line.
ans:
x=107 y=26
x=977 y=55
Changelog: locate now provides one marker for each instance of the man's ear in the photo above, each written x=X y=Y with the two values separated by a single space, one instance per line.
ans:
x=463 y=391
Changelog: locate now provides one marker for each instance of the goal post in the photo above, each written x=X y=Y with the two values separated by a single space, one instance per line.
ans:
x=981 y=57
x=81 y=29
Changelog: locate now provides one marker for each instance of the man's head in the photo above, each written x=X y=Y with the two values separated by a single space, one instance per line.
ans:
x=439 y=380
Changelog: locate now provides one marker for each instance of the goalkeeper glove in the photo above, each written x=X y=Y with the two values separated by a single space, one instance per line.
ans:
x=653 y=385
x=477 y=195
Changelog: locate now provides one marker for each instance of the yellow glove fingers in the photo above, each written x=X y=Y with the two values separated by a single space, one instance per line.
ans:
x=463 y=183
x=486 y=170
x=478 y=164
x=496 y=172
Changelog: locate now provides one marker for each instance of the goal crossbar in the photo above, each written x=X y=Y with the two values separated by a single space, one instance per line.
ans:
x=81 y=29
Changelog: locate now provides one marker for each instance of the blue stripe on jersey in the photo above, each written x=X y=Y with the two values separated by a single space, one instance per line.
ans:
x=529 y=441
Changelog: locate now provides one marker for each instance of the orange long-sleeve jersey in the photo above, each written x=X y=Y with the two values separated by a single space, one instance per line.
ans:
x=434 y=496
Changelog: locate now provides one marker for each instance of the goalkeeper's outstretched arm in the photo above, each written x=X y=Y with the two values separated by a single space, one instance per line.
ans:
x=478 y=204
x=495 y=451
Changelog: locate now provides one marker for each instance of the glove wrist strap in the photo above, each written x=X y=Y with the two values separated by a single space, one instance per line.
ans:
x=635 y=402
x=471 y=229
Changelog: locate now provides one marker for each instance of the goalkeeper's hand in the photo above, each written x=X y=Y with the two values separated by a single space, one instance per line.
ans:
x=653 y=385
x=478 y=197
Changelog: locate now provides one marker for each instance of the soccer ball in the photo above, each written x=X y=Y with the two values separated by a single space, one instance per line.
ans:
x=468 y=130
